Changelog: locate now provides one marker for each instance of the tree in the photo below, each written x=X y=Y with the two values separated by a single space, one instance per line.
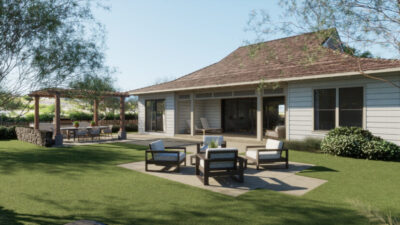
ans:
x=47 y=44
x=361 y=23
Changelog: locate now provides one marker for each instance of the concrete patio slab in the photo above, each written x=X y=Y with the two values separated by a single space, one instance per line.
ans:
x=281 y=180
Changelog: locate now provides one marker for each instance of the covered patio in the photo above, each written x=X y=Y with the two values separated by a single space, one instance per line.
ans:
x=58 y=93
x=242 y=112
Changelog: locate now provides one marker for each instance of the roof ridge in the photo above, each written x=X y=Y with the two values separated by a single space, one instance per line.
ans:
x=289 y=37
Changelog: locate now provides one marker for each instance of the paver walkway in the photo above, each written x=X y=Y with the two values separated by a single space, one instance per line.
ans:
x=281 y=180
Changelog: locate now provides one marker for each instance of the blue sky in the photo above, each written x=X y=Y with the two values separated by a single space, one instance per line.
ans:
x=157 y=39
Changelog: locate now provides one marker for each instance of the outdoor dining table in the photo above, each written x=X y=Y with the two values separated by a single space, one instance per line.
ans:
x=74 y=129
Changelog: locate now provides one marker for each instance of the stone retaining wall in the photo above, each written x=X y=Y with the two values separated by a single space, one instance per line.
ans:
x=37 y=137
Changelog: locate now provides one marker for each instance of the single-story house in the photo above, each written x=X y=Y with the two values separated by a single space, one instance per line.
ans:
x=305 y=83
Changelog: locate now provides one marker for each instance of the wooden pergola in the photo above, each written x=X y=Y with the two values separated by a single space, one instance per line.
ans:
x=58 y=93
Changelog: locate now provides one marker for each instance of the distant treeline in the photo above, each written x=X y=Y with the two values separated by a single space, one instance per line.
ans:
x=47 y=117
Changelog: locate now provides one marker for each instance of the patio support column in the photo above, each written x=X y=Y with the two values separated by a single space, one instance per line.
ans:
x=260 y=115
x=58 y=138
x=36 y=118
x=122 y=131
x=96 y=111
x=192 y=122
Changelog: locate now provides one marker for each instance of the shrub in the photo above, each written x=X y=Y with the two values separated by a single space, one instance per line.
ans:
x=80 y=116
x=43 y=117
x=130 y=116
x=7 y=133
x=382 y=150
x=308 y=144
x=128 y=128
x=358 y=143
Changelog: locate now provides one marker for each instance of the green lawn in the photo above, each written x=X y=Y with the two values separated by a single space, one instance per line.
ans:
x=55 y=186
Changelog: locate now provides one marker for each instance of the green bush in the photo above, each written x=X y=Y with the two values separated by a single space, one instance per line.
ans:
x=382 y=150
x=308 y=144
x=80 y=116
x=43 y=117
x=358 y=143
x=130 y=116
x=7 y=133
x=128 y=128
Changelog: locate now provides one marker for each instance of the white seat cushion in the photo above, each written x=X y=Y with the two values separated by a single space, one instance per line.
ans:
x=264 y=155
x=223 y=164
x=157 y=145
x=218 y=165
x=273 y=144
x=168 y=156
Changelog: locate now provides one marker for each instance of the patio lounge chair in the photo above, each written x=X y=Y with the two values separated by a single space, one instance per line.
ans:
x=278 y=133
x=219 y=162
x=196 y=128
x=271 y=152
x=160 y=157
x=207 y=128
x=202 y=146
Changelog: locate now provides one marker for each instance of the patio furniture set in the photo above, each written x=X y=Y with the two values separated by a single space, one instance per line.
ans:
x=87 y=132
x=214 y=159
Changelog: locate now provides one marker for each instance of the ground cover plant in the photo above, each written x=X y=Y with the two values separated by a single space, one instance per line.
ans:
x=58 y=185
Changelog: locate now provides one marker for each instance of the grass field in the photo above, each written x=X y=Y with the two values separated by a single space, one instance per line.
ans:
x=59 y=185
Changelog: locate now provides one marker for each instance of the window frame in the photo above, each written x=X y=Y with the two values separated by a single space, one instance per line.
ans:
x=145 y=116
x=336 y=87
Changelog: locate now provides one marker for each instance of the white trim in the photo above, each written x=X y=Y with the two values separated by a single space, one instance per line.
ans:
x=270 y=81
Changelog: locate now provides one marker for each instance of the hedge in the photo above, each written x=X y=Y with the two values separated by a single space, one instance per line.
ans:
x=48 y=117
x=358 y=143
x=7 y=133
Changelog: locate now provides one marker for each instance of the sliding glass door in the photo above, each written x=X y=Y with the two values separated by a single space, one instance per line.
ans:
x=155 y=115
x=239 y=115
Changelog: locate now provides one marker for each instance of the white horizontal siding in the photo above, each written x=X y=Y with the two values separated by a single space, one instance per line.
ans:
x=383 y=109
x=209 y=109
x=183 y=115
x=169 y=114
x=382 y=106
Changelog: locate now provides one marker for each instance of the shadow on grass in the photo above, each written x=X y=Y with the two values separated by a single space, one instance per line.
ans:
x=67 y=159
x=318 y=169
x=260 y=207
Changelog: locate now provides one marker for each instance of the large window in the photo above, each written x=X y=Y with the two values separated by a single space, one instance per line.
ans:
x=348 y=105
x=351 y=107
x=324 y=109
x=155 y=115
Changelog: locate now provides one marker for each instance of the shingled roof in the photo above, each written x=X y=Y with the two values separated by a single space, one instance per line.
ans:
x=285 y=59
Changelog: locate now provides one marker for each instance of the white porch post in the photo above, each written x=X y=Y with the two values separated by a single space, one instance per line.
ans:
x=260 y=115
x=192 y=108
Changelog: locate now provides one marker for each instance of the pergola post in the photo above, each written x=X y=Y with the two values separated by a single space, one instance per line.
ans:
x=192 y=116
x=96 y=111
x=260 y=115
x=58 y=138
x=122 y=131
x=36 y=118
